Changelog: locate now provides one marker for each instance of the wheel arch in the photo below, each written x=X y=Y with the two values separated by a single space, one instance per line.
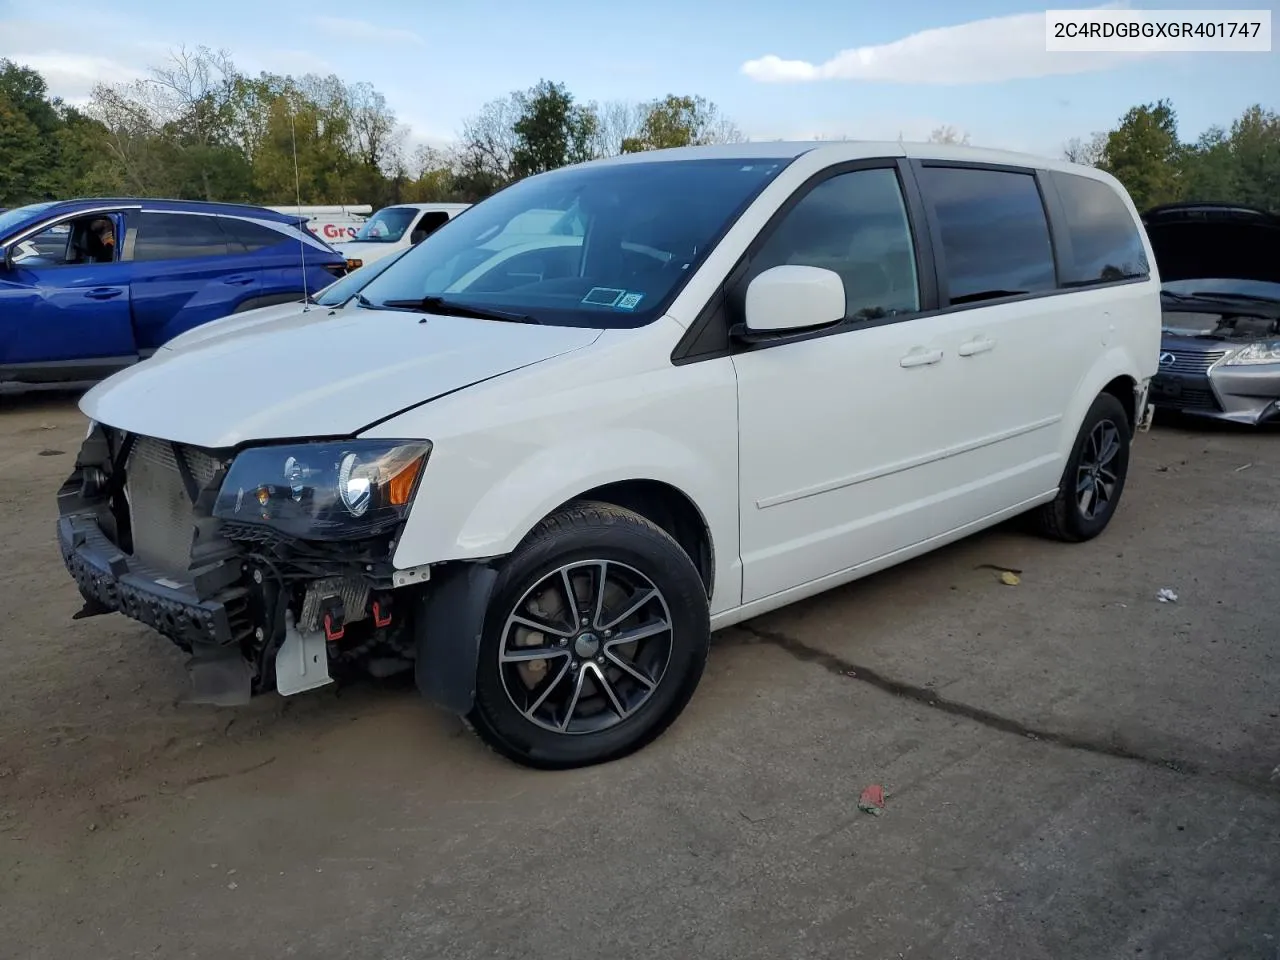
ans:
x=668 y=508
x=1114 y=373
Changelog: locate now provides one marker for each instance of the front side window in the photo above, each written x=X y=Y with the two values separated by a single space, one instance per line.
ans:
x=431 y=221
x=89 y=239
x=178 y=236
x=995 y=235
x=602 y=245
x=387 y=226
x=856 y=225
x=1105 y=243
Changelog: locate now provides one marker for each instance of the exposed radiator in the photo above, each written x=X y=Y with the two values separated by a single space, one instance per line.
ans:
x=160 y=516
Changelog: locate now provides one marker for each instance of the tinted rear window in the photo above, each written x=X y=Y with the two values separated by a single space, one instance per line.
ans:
x=178 y=236
x=251 y=236
x=1104 y=241
x=995 y=235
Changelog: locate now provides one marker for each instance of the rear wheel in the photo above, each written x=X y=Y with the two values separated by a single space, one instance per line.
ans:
x=1094 y=477
x=595 y=639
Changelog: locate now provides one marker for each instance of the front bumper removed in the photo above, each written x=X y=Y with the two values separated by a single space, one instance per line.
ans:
x=206 y=627
x=111 y=582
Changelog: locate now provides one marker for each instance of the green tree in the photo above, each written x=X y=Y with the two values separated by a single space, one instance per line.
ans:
x=550 y=130
x=1210 y=169
x=1144 y=154
x=1255 y=150
x=46 y=147
x=22 y=156
x=681 y=121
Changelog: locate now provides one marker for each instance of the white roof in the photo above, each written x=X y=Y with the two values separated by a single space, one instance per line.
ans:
x=834 y=151
x=425 y=206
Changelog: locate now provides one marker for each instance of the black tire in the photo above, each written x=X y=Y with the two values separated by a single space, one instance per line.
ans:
x=633 y=550
x=1064 y=518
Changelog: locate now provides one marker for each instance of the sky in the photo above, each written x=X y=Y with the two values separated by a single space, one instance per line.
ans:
x=795 y=70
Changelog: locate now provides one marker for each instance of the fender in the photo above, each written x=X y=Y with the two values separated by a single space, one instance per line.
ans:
x=550 y=476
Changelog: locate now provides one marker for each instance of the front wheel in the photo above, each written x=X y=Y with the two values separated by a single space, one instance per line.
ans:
x=1094 y=477
x=594 y=640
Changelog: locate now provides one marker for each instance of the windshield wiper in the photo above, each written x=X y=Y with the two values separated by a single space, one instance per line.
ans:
x=456 y=309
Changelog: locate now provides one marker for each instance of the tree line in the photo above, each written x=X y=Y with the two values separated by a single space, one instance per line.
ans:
x=1235 y=164
x=198 y=128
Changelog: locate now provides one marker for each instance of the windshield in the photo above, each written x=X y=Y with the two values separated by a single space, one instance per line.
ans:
x=18 y=215
x=387 y=226
x=340 y=291
x=593 y=246
x=1235 y=288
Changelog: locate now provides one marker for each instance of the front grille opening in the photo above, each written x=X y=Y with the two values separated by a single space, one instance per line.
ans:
x=161 y=521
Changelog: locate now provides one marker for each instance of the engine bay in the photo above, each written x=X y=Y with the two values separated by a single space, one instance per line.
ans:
x=1232 y=326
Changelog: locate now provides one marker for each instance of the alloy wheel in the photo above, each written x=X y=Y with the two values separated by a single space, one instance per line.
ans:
x=585 y=647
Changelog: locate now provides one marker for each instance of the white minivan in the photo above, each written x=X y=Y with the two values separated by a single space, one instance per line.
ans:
x=539 y=466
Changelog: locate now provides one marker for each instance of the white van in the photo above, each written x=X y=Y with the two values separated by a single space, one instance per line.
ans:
x=335 y=223
x=397 y=227
x=539 y=473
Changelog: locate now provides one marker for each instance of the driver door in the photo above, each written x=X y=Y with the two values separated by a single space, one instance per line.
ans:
x=840 y=433
x=64 y=306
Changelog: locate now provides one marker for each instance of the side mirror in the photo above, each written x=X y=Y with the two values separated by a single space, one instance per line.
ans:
x=792 y=297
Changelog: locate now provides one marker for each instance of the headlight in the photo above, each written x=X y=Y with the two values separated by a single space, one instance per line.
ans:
x=1264 y=352
x=324 y=491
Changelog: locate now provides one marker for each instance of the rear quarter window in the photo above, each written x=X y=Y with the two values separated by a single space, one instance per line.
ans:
x=249 y=236
x=1104 y=244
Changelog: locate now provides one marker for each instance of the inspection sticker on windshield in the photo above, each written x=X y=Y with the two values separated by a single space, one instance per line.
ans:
x=604 y=296
x=629 y=301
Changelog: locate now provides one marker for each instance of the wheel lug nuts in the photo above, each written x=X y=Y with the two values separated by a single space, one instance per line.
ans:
x=599 y=659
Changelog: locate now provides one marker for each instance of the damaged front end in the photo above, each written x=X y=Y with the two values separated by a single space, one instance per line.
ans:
x=270 y=566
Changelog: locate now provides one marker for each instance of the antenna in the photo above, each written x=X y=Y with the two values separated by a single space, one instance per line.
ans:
x=297 y=186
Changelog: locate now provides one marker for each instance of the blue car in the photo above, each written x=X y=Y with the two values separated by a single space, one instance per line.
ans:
x=88 y=287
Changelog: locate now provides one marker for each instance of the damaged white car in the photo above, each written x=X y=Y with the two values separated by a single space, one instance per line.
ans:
x=540 y=473
x=1220 y=273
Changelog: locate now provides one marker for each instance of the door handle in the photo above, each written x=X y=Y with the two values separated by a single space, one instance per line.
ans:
x=238 y=281
x=919 y=357
x=104 y=293
x=977 y=345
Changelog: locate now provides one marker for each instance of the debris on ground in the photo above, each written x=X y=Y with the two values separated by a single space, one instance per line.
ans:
x=1245 y=467
x=1008 y=575
x=1167 y=596
x=872 y=800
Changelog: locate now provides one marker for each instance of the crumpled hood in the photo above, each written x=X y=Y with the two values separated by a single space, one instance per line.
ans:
x=313 y=373
x=1200 y=241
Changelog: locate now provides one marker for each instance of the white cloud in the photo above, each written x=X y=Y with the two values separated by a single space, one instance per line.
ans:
x=345 y=29
x=72 y=76
x=980 y=51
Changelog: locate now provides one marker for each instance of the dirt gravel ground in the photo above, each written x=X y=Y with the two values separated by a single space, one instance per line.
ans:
x=1074 y=769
